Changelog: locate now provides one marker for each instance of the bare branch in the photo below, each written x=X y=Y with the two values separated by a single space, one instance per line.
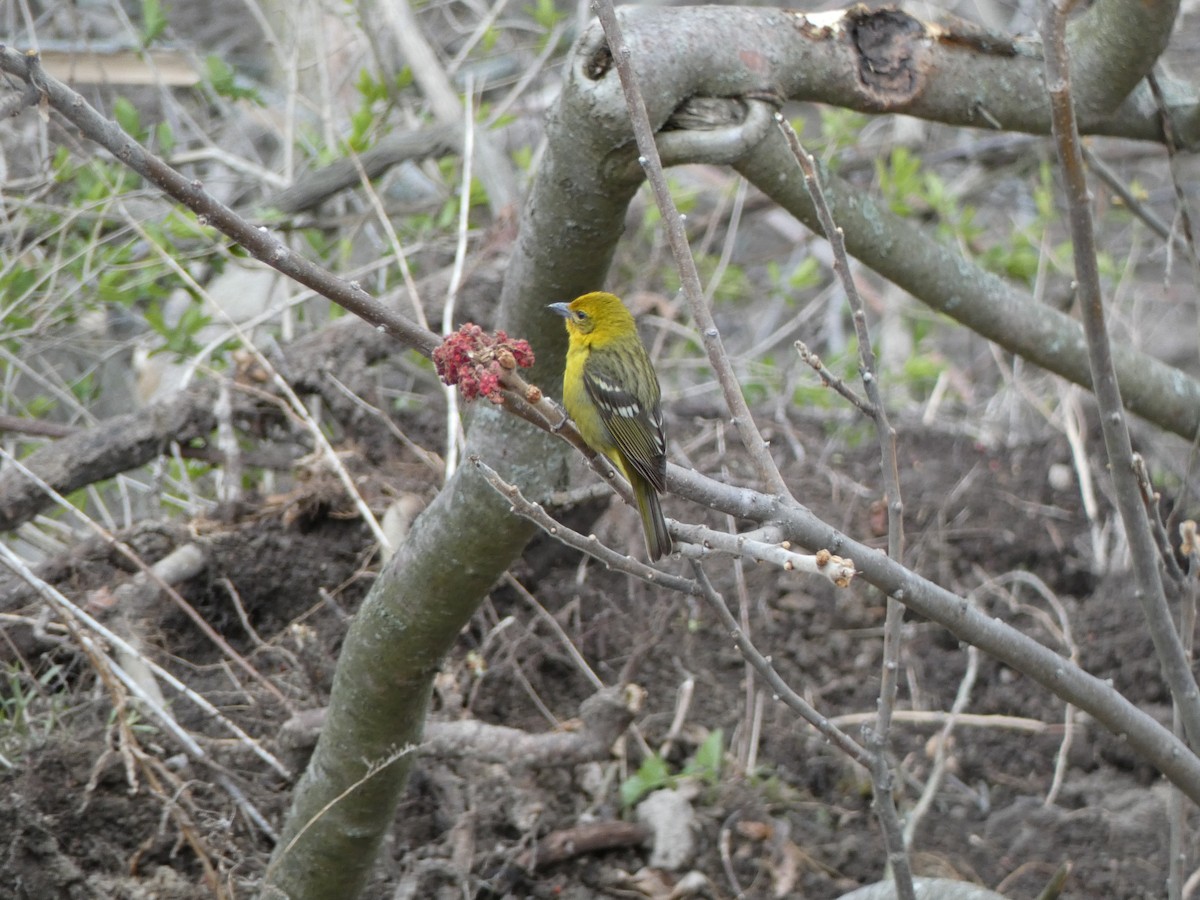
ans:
x=943 y=279
x=649 y=159
x=877 y=738
x=771 y=677
x=258 y=242
x=72 y=612
x=115 y=445
x=1150 y=590
x=314 y=188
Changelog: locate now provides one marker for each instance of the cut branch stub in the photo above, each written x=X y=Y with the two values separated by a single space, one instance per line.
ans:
x=892 y=54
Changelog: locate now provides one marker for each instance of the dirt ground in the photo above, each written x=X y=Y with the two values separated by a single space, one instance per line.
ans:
x=85 y=814
x=98 y=803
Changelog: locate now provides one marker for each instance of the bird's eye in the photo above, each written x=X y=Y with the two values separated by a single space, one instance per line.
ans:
x=581 y=315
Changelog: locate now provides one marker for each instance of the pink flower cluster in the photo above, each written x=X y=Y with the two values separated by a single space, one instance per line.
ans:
x=475 y=360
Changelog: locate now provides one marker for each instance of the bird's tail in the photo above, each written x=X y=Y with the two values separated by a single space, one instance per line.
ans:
x=658 y=540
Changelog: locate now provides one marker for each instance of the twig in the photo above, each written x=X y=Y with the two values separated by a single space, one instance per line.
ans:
x=1150 y=500
x=917 y=813
x=151 y=575
x=770 y=675
x=589 y=837
x=749 y=686
x=702 y=588
x=297 y=408
x=1132 y=202
x=260 y=174
x=677 y=238
x=756 y=722
x=531 y=71
x=1060 y=627
x=1150 y=591
x=258 y=242
x=934 y=717
x=17 y=102
x=229 y=476
x=385 y=222
x=589 y=544
x=495 y=170
x=73 y=612
x=829 y=379
x=885 y=804
x=724 y=842
x=1171 y=140
x=730 y=240
x=373 y=769
x=1177 y=887
x=240 y=609
x=483 y=25
x=949 y=282
x=683 y=704
x=838 y=570
x=544 y=615
x=1073 y=428
x=1051 y=670
x=430 y=460
x=454 y=432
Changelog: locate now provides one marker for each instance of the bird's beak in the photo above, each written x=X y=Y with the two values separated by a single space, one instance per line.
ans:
x=563 y=309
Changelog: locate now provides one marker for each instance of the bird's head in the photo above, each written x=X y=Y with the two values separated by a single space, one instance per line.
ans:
x=597 y=310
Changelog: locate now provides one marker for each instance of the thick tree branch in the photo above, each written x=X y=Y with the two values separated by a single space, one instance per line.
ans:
x=80 y=457
x=942 y=278
x=876 y=61
x=1056 y=673
x=570 y=228
x=115 y=445
x=314 y=188
x=887 y=61
x=602 y=719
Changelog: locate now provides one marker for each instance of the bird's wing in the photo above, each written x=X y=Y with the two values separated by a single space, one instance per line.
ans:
x=635 y=426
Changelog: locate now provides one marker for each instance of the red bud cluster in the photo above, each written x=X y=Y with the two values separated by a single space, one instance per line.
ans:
x=475 y=360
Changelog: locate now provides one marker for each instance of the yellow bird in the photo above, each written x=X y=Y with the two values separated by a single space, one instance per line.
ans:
x=612 y=393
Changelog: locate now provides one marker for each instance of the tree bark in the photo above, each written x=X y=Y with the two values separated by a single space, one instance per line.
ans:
x=569 y=230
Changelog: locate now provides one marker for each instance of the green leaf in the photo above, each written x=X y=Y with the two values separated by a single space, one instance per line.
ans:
x=544 y=13
x=706 y=763
x=840 y=128
x=41 y=405
x=128 y=117
x=154 y=20
x=816 y=395
x=223 y=80
x=361 y=122
x=85 y=388
x=1043 y=194
x=922 y=370
x=805 y=275
x=900 y=181
x=220 y=76
x=369 y=88
x=164 y=136
x=652 y=775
